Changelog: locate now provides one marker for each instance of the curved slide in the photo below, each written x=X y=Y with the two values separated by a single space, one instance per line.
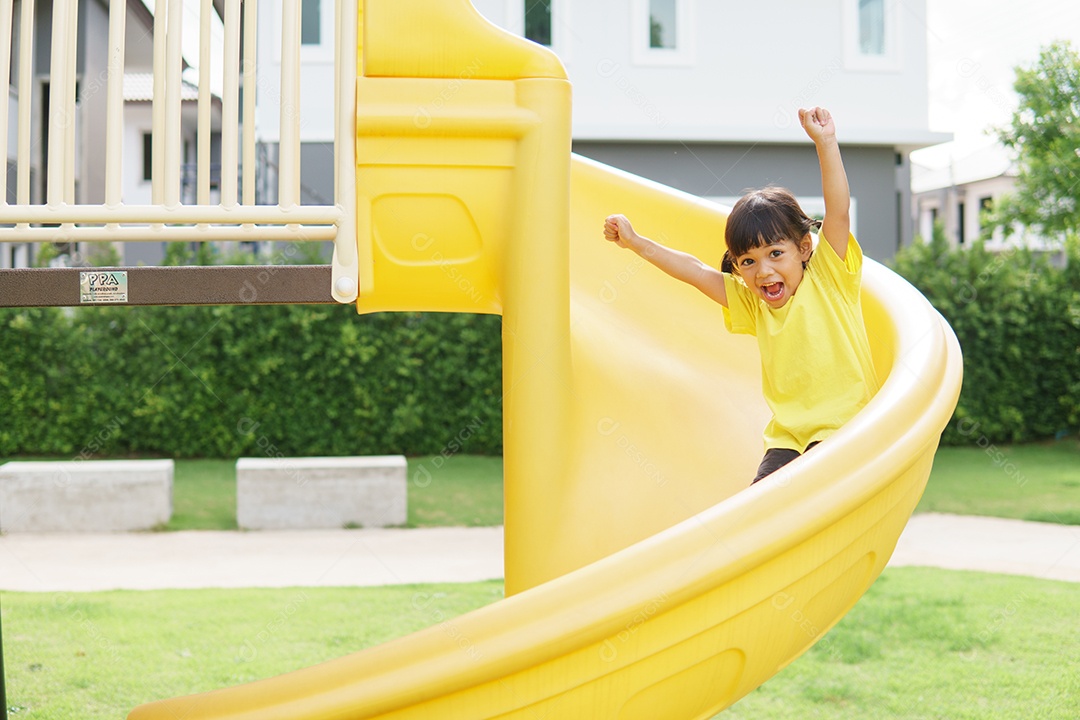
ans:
x=735 y=582
x=644 y=578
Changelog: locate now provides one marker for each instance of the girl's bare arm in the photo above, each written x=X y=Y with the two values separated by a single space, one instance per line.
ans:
x=679 y=265
x=836 y=226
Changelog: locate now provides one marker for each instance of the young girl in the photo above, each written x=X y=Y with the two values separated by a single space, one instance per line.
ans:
x=801 y=303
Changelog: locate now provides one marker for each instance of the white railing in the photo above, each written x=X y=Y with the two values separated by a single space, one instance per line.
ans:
x=60 y=219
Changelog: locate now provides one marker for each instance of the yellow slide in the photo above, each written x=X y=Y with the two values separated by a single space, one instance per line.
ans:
x=644 y=578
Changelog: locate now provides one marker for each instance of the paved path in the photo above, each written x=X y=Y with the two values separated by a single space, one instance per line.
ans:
x=1014 y=547
x=197 y=559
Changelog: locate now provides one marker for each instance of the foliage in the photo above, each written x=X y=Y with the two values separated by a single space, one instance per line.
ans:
x=103 y=255
x=97 y=254
x=46 y=253
x=1045 y=135
x=178 y=253
x=247 y=380
x=1017 y=317
x=231 y=253
x=190 y=253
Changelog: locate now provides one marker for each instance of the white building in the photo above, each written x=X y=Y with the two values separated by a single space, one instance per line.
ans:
x=710 y=106
x=703 y=95
x=956 y=194
x=696 y=94
x=90 y=115
x=316 y=109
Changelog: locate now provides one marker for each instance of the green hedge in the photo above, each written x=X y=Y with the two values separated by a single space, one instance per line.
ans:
x=1017 y=318
x=252 y=381
x=320 y=380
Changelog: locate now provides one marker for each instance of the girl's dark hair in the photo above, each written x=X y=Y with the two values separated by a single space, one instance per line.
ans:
x=763 y=217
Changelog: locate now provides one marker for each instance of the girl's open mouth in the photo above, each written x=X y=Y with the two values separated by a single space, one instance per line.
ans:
x=773 y=291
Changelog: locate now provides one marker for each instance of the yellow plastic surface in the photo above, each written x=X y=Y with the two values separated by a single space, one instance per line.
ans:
x=446 y=39
x=645 y=579
x=724 y=585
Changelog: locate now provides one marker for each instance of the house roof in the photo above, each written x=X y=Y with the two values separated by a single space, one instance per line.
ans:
x=190 y=34
x=983 y=164
x=139 y=87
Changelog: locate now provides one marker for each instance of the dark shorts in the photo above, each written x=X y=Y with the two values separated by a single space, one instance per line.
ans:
x=776 y=458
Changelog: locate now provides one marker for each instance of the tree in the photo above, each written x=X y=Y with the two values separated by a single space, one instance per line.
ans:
x=1045 y=135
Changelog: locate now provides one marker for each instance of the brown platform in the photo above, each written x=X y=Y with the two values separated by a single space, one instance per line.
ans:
x=202 y=285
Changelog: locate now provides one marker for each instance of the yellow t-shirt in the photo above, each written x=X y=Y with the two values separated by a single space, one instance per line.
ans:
x=816 y=367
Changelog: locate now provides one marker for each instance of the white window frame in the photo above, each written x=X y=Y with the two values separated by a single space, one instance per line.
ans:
x=682 y=55
x=560 y=24
x=854 y=58
x=926 y=217
x=321 y=53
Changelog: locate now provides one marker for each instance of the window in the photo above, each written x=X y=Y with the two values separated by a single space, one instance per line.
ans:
x=13 y=67
x=147 y=156
x=538 y=21
x=662 y=32
x=872 y=27
x=663 y=24
x=961 y=211
x=310 y=23
x=870 y=35
x=542 y=21
x=316 y=31
x=986 y=206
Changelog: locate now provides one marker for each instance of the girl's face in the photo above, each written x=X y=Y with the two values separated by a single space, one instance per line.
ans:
x=774 y=271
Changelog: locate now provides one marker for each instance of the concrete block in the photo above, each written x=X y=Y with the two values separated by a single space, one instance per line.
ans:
x=85 y=495
x=320 y=492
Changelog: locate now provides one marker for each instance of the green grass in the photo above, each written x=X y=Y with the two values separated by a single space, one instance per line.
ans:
x=204 y=495
x=923 y=643
x=96 y=655
x=1029 y=482
x=463 y=490
x=926 y=643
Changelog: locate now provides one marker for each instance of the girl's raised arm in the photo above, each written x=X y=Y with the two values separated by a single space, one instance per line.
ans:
x=818 y=124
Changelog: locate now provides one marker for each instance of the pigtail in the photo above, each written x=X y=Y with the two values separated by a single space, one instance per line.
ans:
x=727 y=264
x=815 y=226
x=810 y=225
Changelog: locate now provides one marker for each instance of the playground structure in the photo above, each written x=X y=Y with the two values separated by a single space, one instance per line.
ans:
x=643 y=578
